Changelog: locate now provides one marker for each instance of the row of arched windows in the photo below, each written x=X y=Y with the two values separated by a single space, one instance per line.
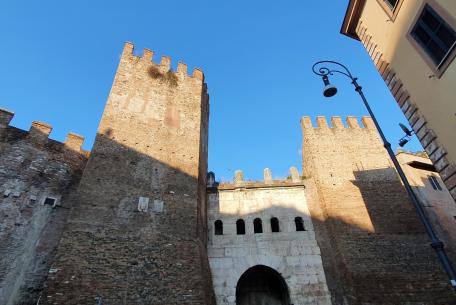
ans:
x=257 y=226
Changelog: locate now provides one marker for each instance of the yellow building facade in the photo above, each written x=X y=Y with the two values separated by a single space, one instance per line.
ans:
x=413 y=46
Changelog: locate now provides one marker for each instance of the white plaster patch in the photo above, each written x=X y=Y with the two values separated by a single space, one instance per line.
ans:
x=158 y=206
x=143 y=204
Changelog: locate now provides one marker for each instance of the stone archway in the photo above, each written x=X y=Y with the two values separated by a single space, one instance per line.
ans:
x=262 y=285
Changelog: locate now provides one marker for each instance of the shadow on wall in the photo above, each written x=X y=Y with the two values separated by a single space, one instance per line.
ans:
x=441 y=210
x=134 y=232
x=387 y=259
x=38 y=176
x=373 y=247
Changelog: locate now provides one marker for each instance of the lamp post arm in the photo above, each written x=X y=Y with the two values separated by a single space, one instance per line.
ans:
x=324 y=71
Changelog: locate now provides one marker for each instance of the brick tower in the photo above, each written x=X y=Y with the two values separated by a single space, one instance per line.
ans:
x=136 y=233
x=373 y=247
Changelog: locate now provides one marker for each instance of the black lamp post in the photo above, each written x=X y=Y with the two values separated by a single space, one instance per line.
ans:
x=331 y=90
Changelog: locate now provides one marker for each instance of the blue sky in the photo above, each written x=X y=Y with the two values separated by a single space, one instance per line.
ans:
x=58 y=60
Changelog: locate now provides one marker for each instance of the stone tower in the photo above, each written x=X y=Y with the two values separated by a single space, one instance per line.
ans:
x=373 y=247
x=136 y=233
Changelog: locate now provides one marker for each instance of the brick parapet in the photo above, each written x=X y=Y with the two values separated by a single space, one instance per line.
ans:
x=293 y=180
x=352 y=122
x=165 y=63
x=38 y=134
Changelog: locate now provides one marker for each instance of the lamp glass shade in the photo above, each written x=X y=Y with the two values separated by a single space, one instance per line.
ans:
x=329 y=90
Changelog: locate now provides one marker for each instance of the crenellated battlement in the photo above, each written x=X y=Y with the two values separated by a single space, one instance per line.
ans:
x=337 y=124
x=294 y=179
x=165 y=62
x=39 y=132
x=333 y=151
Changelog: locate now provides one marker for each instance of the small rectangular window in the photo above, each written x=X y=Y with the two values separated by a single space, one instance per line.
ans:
x=435 y=183
x=49 y=201
x=434 y=36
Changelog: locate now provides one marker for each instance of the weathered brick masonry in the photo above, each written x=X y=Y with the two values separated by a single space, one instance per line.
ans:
x=151 y=143
x=373 y=246
x=37 y=179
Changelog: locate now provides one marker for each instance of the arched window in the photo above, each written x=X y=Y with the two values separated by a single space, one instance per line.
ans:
x=240 y=227
x=299 y=224
x=275 y=225
x=218 y=227
x=257 y=226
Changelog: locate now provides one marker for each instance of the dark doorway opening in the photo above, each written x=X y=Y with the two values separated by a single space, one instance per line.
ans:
x=262 y=285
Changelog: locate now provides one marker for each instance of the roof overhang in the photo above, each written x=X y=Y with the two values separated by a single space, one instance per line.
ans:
x=351 y=19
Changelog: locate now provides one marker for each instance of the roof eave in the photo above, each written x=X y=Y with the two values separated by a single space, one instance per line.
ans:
x=351 y=18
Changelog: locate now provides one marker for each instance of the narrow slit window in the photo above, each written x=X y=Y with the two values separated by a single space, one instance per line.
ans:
x=299 y=224
x=275 y=224
x=240 y=227
x=257 y=226
x=218 y=225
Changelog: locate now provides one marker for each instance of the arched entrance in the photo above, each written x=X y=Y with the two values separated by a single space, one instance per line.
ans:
x=261 y=285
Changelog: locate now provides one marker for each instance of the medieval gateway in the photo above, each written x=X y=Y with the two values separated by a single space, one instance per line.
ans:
x=139 y=220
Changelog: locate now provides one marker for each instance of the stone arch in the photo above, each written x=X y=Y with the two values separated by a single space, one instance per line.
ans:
x=262 y=285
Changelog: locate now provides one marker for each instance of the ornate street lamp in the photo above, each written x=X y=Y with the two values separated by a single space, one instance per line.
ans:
x=320 y=69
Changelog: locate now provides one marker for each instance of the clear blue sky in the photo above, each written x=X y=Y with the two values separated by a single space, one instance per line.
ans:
x=58 y=60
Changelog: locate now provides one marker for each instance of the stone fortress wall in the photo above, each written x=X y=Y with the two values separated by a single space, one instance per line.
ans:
x=374 y=248
x=148 y=227
x=291 y=252
x=38 y=176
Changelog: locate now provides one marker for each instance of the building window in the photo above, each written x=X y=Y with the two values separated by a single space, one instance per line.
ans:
x=275 y=225
x=257 y=226
x=240 y=227
x=435 y=183
x=49 y=201
x=435 y=36
x=391 y=7
x=218 y=225
x=299 y=224
x=391 y=3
